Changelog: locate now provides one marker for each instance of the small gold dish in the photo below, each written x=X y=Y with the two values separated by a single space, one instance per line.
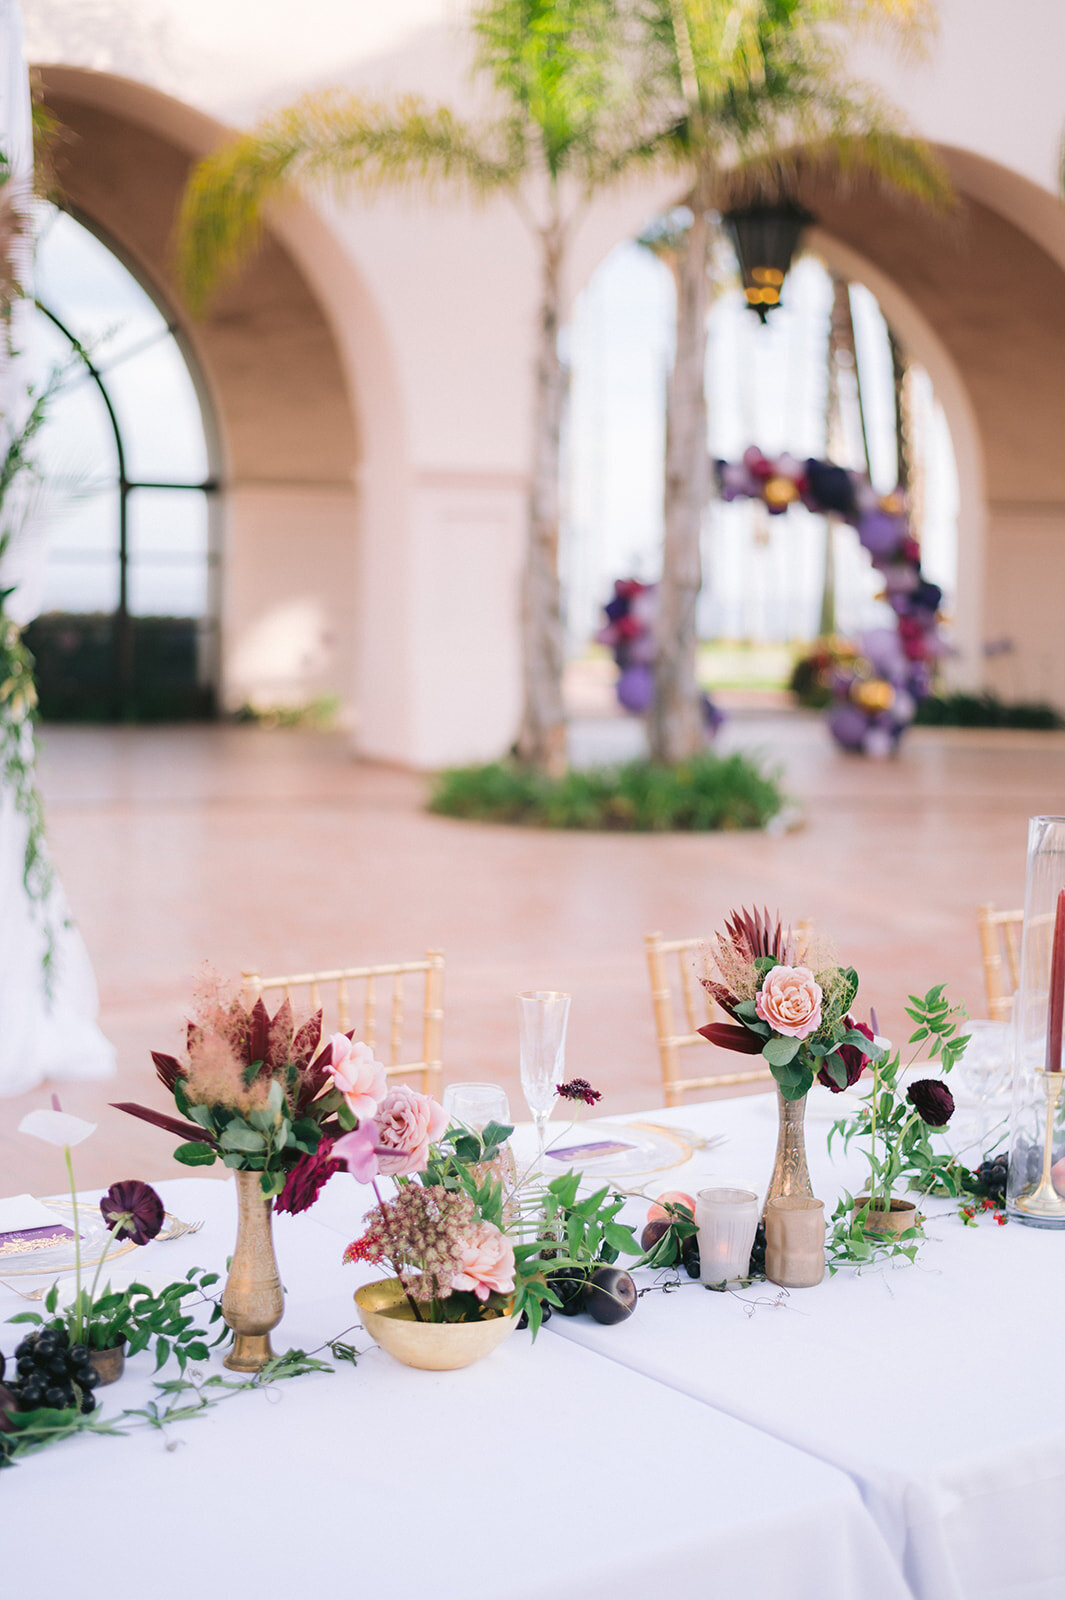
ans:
x=431 y=1346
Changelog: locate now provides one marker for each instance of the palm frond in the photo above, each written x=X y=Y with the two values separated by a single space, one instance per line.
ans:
x=336 y=140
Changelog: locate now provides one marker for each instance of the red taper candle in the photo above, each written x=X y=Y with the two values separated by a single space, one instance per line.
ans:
x=1056 y=1006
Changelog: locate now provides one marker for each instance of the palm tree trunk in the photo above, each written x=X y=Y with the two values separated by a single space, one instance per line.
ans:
x=675 y=724
x=542 y=739
x=902 y=440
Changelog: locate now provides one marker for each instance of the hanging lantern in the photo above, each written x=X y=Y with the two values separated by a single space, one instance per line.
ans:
x=764 y=238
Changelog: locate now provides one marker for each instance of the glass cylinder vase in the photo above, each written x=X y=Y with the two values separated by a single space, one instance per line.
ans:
x=1036 y=1190
x=253 y=1299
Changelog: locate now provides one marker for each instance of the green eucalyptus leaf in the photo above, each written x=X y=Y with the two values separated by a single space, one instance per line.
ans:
x=780 y=1052
x=238 y=1136
x=194 y=1154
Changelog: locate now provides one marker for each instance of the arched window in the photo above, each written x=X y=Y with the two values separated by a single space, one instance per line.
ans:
x=128 y=618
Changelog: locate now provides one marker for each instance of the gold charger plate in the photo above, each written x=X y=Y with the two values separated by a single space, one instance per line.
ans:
x=49 y=1260
x=654 y=1148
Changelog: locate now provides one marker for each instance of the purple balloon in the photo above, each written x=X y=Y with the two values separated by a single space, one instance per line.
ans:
x=879 y=742
x=848 y=725
x=882 y=647
x=881 y=533
x=635 y=689
x=713 y=716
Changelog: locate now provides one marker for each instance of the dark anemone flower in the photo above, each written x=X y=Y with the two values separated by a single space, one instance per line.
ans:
x=579 y=1089
x=932 y=1101
x=852 y=1058
x=132 y=1210
x=306 y=1180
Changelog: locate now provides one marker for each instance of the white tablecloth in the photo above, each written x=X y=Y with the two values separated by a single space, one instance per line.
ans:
x=936 y=1387
x=543 y=1471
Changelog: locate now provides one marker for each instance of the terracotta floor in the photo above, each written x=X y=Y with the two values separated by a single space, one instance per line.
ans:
x=242 y=846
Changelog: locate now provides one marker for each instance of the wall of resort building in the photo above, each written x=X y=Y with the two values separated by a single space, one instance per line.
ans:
x=368 y=378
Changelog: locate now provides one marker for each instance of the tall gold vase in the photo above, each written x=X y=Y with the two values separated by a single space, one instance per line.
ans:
x=791 y=1176
x=253 y=1299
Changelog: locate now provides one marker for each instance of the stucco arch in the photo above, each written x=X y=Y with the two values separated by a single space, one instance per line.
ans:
x=978 y=298
x=289 y=355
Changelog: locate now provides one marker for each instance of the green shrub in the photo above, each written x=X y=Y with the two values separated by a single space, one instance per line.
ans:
x=707 y=793
x=985 y=711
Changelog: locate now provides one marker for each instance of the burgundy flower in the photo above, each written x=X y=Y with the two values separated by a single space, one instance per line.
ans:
x=133 y=1210
x=579 y=1089
x=932 y=1100
x=851 y=1057
x=306 y=1179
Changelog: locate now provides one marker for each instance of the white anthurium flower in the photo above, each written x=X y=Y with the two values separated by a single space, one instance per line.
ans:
x=56 y=1127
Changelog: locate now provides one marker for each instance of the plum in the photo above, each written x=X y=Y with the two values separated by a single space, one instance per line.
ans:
x=610 y=1295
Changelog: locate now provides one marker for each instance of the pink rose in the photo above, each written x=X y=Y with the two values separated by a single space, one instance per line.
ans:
x=487 y=1262
x=357 y=1074
x=790 y=1001
x=407 y=1122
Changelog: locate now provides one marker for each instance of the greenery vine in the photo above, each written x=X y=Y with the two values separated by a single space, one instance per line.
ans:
x=18 y=690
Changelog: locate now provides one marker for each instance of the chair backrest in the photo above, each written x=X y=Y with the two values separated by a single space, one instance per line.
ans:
x=666 y=958
x=1000 y=945
x=348 y=998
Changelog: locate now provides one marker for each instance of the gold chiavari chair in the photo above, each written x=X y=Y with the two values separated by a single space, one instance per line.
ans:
x=1000 y=945
x=698 y=1009
x=343 y=1006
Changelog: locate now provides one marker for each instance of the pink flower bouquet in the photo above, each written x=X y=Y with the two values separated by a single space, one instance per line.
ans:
x=446 y=1231
x=789 y=1002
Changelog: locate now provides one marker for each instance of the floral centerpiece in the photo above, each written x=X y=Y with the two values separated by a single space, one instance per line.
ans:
x=262 y=1095
x=265 y=1097
x=790 y=1002
x=462 y=1246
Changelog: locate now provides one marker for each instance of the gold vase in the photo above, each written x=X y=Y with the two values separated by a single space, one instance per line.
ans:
x=790 y=1173
x=432 y=1346
x=253 y=1299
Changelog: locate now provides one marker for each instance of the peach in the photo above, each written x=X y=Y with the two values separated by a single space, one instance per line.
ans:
x=672 y=1197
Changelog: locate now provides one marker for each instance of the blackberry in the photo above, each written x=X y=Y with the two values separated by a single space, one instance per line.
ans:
x=49 y=1372
x=756 y=1266
x=569 y=1284
x=992 y=1176
x=545 y=1315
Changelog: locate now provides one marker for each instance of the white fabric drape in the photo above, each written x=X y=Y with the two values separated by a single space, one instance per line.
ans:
x=47 y=1023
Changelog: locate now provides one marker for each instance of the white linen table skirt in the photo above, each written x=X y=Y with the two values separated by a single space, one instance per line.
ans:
x=936 y=1387
x=543 y=1471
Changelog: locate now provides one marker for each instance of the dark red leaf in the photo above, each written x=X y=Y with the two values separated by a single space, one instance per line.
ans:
x=307 y=1040
x=168 y=1069
x=159 y=1119
x=259 y=1032
x=279 y=1037
x=730 y=1036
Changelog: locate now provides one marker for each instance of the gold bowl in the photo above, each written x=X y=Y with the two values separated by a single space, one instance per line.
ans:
x=432 y=1346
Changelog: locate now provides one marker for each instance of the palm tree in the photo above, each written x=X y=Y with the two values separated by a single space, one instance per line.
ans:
x=763 y=103
x=569 y=122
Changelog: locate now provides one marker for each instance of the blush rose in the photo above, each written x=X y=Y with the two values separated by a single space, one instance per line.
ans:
x=486 y=1262
x=407 y=1124
x=358 y=1075
x=790 y=1001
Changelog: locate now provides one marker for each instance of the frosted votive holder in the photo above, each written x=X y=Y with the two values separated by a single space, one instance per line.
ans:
x=727 y=1220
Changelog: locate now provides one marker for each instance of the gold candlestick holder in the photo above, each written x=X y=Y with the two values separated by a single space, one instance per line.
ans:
x=1042 y=1199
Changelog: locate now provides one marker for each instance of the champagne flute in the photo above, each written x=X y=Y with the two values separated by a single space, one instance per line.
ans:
x=542 y=1018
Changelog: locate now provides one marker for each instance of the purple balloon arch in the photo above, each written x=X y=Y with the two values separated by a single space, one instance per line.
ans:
x=629 y=631
x=876 y=699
